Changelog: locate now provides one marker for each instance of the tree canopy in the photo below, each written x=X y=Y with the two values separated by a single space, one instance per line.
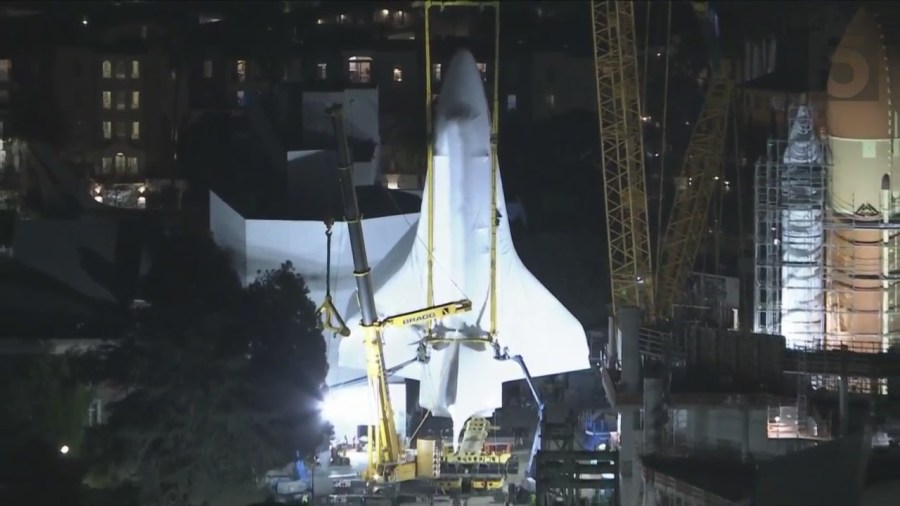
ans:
x=220 y=381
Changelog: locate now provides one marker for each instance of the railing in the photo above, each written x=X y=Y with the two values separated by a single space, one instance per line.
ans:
x=864 y=360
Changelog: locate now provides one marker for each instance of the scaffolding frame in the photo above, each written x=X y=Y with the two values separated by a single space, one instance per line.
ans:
x=802 y=193
x=861 y=254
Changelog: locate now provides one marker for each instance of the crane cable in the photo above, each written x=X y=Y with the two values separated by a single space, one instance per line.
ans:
x=660 y=229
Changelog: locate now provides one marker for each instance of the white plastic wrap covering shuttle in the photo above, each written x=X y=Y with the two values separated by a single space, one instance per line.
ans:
x=464 y=380
x=802 y=236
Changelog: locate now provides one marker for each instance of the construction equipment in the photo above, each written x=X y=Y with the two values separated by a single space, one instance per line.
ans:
x=634 y=282
x=388 y=463
x=700 y=173
x=622 y=157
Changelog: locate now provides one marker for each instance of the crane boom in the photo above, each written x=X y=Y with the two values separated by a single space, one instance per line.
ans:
x=383 y=446
x=622 y=157
x=387 y=462
x=699 y=174
x=701 y=169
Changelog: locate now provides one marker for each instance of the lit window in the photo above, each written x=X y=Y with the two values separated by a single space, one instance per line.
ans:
x=241 y=98
x=5 y=68
x=241 y=70
x=106 y=69
x=120 y=129
x=398 y=74
x=107 y=99
x=359 y=69
x=342 y=18
x=105 y=165
x=384 y=15
x=551 y=100
x=510 y=102
x=120 y=162
x=107 y=130
x=400 y=18
x=482 y=68
x=135 y=130
x=142 y=202
x=436 y=71
x=120 y=70
x=320 y=21
x=132 y=165
x=135 y=100
x=321 y=71
x=135 y=69
x=207 y=68
x=120 y=100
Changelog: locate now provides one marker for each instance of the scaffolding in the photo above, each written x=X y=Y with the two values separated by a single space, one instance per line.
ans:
x=790 y=221
x=824 y=280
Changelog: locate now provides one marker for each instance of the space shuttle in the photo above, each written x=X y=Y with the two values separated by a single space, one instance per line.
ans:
x=463 y=375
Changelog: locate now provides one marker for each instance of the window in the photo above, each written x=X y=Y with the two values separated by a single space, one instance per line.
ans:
x=135 y=69
x=359 y=69
x=132 y=165
x=142 y=202
x=120 y=70
x=106 y=69
x=105 y=165
x=144 y=32
x=135 y=100
x=436 y=71
x=135 y=130
x=120 y=162
x=510 y=102
x=207 y=68
x=107 y=99
x=482 y=68
x=551 y=100
x=107 y=130
x=95 y=413
x=241 y=70
x=241 y=98
x=5 y=68
x=400 y=18
x=120 y=129
x=321 y=71
x=398 y=74
x=120 y=100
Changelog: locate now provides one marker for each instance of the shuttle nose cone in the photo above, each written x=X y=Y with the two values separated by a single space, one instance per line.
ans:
x=462 y=93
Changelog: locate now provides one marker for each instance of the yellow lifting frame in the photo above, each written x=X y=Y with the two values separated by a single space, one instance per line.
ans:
x=429 y=157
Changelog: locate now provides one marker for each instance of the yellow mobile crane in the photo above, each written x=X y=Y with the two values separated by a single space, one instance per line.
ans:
x=388 y=463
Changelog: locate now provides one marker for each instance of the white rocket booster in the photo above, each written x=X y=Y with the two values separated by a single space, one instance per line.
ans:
x=464 y=379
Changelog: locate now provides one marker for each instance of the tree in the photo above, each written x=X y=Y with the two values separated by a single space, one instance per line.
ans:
x=221 y=380
x=44 y=409
x=45 y=404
